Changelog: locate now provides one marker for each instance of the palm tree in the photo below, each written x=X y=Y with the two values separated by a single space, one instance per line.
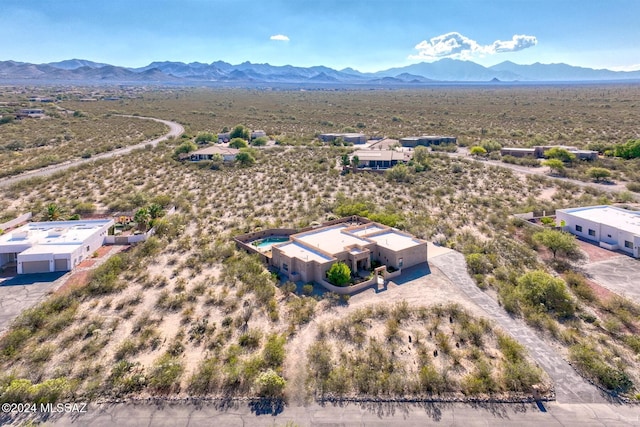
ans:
x=155 y=210
x=142 y=218
x=53 y=212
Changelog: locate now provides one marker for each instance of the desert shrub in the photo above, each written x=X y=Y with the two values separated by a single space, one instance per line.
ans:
x=165 y=374
x=541 y=291
x=206 y=378
x=431 y=380
x=270 y=384
x=634 y=186
x=23 y=391
x=273 y=352
x=579 y=286
x=590 y=361
x=478 y=263
x=480 y=381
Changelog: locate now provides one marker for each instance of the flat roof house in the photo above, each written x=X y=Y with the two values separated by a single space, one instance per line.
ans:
x=353 y=138
x=307 y=256
x=427 y=140
x=33 y=113
x=43 y=247
x=613 y=228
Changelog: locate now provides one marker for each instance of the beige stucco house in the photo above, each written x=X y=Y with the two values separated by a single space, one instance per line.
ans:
x=307 y=256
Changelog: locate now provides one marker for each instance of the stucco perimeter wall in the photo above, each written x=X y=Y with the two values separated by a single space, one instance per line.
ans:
x=348 y=290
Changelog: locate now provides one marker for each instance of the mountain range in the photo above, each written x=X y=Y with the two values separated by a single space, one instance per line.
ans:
x=442 y=71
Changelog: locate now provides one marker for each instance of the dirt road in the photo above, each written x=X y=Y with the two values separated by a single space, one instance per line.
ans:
x=175 y=130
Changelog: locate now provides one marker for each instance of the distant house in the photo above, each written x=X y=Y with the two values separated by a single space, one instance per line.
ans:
x=224 y=137
x=228 y=154
x=427 y=140
x=539 y=150
x=44 y=247
x=33 y=113
x=613 y=228
x=353 y=138
x=381 y=159
x=258 y=134
x=518 y=152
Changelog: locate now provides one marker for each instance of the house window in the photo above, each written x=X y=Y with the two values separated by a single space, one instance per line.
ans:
x=628 y=244
x=579 y=228
x=285 y=266
x=592 y=232
x=609 y=235
x=400 y=262
x=88 y=249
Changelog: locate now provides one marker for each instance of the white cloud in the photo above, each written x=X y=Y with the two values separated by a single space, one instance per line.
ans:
x=455 y=45
x=280 y=37
x=517 y=42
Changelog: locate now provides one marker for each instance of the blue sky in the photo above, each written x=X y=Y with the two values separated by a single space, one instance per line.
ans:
x=368 y=35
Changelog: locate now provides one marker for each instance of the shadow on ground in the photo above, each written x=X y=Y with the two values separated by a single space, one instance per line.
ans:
x=30 y=279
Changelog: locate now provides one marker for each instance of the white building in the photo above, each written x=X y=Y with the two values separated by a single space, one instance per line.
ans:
x=614 y=228
x=43 y=247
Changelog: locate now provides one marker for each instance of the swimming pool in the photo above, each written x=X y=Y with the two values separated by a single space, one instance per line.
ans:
x=265 y=244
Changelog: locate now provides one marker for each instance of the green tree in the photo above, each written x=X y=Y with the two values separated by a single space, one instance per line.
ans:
x=491 y=145
x=142 y=218
x=238 y=143
x=240 y=132
x=555 y=165
x=421 y=156
x=185 y=147
x=355 y=161
x=599 y=174
x=54 y=213
x=478 y=151
x=345 y=160
x=544 y=292
x=557 y=241
x=155 y=211
x=205 y=138
x=630 y=150
x=339 y=274
x=560 y=154
x=260 y=141
x=398 y=173
x=244 y=158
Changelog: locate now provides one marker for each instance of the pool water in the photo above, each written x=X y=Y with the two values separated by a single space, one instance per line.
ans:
x=270 y=241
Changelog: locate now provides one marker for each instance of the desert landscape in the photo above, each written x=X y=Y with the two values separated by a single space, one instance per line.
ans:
x=187 y=314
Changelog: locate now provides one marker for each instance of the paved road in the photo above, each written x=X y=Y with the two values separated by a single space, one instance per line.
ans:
x=569 y=386
x=620 y=275
x=175 y=130
x=370 y=414
x=524 y=170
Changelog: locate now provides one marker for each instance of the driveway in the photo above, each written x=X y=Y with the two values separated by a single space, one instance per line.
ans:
x=620 y=274
x=569 y=386
x=21 y=292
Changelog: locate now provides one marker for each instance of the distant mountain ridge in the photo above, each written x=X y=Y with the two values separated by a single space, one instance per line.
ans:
x=169 y=72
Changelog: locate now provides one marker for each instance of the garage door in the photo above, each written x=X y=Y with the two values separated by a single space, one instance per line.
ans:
x=61 y=265
x=29 y=267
